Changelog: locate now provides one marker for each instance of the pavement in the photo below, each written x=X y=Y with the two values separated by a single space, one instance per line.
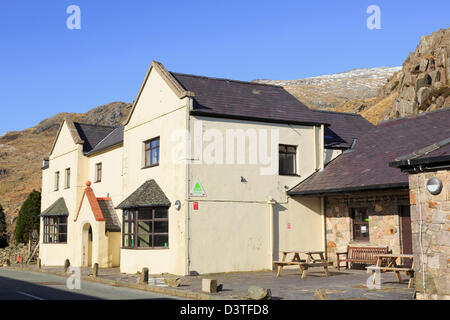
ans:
x=26 y=285
x=340 y=285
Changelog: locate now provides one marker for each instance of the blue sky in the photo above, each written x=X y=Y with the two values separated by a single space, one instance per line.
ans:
x=45 y=68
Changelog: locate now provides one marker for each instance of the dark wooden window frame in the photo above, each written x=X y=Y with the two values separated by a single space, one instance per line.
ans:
x=98 y=172
x=148 y=148
x=57 y=181
x=52 y=230
x=132 y=216
x=67 y=178
x=285 y=153
x=358 y=224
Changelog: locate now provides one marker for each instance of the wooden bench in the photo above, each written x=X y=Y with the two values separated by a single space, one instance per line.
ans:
x=363 y=255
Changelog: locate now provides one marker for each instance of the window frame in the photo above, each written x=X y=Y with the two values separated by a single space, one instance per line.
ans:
x=359 y=224
x=67 y=178
x=52 y=230
x=57 y=176
x=133 y=217
x=98 y=177
x=148 y=151
x=287 y=153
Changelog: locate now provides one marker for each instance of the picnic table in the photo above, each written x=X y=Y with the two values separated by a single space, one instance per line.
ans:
x=388 y=262
x=312 y=259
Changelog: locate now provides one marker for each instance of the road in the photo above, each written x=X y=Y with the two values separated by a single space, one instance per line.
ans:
x=25 y=285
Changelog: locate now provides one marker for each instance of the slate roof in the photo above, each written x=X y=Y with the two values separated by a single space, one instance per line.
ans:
x=437 y=153
x=92 y=134
x=112 y=223
x=366 y=166
x=344 y=128
x=114 y=138
x=58 y=208
x=147 y=195
x=256 y=101
x=240 y=99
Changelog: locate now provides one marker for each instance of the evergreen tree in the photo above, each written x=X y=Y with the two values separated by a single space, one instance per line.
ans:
x=3 y=235
x=28 y=219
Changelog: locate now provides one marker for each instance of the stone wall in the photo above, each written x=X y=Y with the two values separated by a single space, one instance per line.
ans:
x=384 y=220
x=431 y=247
x=10 y=253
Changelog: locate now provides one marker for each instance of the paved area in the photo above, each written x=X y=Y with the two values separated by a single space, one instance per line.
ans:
x=25 y=285
x=340 y=285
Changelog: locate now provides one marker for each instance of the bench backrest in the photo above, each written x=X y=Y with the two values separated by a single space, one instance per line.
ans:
x=366 y=253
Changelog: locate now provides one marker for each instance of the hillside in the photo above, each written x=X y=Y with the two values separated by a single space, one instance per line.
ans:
x=328 y=92
x=423 y=83
x=21 y=153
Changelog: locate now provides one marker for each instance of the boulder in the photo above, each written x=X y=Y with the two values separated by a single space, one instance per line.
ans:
x=423 y=94
x=259 y=293
x=173 y=282
x=209 y=285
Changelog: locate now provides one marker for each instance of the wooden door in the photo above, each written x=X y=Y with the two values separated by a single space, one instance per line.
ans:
x=405 y=219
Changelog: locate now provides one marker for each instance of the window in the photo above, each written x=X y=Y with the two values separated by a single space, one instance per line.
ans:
x=57 y=181
x=145 y=228
x=360 y=220
x=67 y=179
x=287 y=155
x=98 y=172
x=151 y=153
x=55 y=229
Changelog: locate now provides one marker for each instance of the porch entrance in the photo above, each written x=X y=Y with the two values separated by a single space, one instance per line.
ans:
x=87 y=245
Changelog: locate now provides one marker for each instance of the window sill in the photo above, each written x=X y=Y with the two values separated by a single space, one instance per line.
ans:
x=98 y=181
x=151 y=166
x=288 y=175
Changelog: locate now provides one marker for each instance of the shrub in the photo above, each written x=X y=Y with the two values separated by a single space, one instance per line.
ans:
x=3 y=235
x=28 y=219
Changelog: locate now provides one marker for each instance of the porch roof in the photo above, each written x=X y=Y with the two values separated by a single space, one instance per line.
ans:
x=147 y=195
x=58 y=208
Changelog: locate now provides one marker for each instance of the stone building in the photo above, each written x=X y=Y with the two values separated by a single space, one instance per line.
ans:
x=429 y=185
x=366 y=202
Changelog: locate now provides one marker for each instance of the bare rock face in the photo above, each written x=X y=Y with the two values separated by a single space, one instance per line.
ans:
x=423 y=84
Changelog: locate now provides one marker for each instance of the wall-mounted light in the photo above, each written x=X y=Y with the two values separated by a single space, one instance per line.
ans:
x=243 y=179
x=434 y=186
x=177 y=205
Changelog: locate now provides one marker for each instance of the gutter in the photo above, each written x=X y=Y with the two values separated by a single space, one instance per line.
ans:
x=257 y=119
x=400 y=185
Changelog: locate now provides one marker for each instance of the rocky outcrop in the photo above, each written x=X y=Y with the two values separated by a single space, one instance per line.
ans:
x=423 y=84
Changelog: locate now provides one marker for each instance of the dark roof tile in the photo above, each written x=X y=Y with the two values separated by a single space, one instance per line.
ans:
x=58 y=208
x=147 y=195
x=367 y=165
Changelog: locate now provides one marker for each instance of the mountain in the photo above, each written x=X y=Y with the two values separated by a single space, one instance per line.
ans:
x=328 y=92
x=423 y=83
x=21 y=153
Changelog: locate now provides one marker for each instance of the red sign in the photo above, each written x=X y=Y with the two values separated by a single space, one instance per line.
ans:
x=195 y=205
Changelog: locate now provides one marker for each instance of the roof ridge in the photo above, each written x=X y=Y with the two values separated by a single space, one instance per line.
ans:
x=225 y=79
x=421 y=152
x=340 y=113
x=412 y=116
x=95 y=125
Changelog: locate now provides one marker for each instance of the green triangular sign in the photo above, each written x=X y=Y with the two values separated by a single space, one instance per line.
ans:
x=197 y=190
